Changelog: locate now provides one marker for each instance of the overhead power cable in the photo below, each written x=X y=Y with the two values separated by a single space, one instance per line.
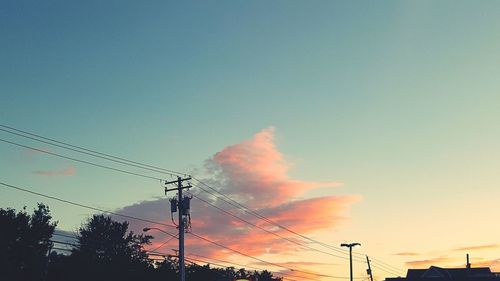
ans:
x=243 y=265
x=159 y=223
x=63 y=243
x=164 y=243
x=264 y=261
x=64 y=235
x=247 y=210
x=263 y=229
x=137 y=174
x=87 y=151
x=223 y=266
x=120 y=170
x=376 y=263
x=86 y=206
x=61 y=249
x=81 y=161
x=209 y=260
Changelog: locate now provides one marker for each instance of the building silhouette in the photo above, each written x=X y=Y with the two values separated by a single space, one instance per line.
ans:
x=435 y=273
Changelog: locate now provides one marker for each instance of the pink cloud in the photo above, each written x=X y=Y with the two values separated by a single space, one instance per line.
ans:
x=69 y=171
x=255 y=173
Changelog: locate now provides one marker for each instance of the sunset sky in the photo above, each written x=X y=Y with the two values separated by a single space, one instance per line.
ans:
x=347 y=121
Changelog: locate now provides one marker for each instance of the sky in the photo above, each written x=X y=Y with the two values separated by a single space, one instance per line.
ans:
x=347 y=121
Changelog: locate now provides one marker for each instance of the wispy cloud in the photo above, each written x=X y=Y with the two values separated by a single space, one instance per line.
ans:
x=428 y=262
x=255 y=173
x=478 y=247
x=69 y=171
x=406 y=254
x=298 y=263
x=494 y=264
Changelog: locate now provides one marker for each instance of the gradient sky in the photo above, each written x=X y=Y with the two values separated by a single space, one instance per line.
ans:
x=394 y=103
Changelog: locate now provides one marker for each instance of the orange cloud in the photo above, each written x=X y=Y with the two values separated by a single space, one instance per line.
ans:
x=494 y=264
x=295 y=264
x=480 y=247
x=254 y=173
x=428 y=262
x=406 y=254
x=69 y=171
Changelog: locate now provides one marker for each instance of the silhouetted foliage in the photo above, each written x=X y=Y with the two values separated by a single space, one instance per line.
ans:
x=24 y=243
x=107 y=251
x=265 y=276
x=167 y=269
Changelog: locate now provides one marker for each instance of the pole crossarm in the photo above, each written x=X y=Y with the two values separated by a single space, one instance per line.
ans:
x=177 y=180
x=181 y=204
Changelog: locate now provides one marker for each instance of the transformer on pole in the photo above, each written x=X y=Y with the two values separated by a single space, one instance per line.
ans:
x=182 y=205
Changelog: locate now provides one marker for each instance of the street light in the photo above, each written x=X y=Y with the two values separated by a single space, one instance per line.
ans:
x=146 y=229
x=350 y=254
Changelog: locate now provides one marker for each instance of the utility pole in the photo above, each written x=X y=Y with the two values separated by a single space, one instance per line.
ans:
x=350 y=254
x=182 y=205
x=369 y=270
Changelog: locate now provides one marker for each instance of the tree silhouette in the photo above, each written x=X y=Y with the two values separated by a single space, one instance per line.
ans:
x=265 y=276
x=168 y=269
x=107 y=251
x=24 y=243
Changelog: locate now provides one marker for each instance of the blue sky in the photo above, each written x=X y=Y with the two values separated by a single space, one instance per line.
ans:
x=396 y=99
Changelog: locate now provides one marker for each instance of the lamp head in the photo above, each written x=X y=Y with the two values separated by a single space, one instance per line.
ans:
x=146 y=229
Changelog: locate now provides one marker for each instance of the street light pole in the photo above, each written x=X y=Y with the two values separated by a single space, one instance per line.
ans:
x=350 y=255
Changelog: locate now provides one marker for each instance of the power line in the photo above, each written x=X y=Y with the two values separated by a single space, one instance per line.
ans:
x=136 y=174
x=86 y=206
x=385 y=267
x=223 y=266
x=63 y=243
x=64 y=235
x=263 y=229
x=141 y=175
x=217 y=264
x=228 y=262
x=60 y=249
x=164 y=243
x=243 y=265
x=81 y=161
x=242 y=207
x=380 y=265
x=264 y=261
x=159 y=223
x=86 y=150
x=377 y=263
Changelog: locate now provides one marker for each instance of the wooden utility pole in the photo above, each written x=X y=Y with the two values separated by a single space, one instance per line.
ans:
x=369 y=270
x=183 y=208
